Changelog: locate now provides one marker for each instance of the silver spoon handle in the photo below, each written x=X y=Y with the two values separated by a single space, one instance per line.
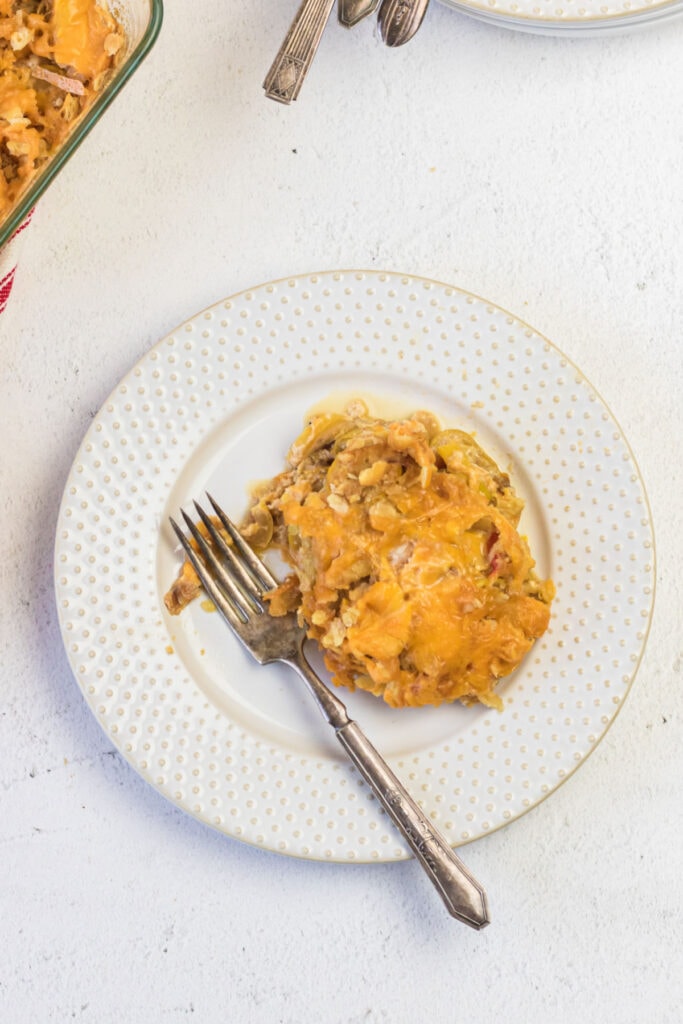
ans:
x=350 y=12
x=399 y=20
x=294 y=58
x=464 y=897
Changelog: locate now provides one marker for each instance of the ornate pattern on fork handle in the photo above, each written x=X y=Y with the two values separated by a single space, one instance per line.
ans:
x=295 y=56
x=463 y=896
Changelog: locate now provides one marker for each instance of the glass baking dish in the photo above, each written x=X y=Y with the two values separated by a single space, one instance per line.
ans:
x=142 y=21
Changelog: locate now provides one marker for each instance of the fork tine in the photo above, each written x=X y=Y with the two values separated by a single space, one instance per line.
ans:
x=262 y=575
x=235 y=615
x=251 y=591
x=246 y=602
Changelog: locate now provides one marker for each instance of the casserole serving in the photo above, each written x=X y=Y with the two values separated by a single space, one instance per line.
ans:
x=53 y=55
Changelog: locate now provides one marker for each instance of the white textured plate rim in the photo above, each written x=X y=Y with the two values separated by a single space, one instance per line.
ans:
x=402 y=280
x=638 y=16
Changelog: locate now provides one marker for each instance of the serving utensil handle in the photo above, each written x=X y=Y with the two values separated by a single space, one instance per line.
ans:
x=464 y=897
x=295 y=56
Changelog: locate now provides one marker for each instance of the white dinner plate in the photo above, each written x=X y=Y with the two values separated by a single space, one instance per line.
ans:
x=579 y=18
x=214 y=406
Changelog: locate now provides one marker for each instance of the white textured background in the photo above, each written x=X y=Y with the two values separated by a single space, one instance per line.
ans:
x=544 y=174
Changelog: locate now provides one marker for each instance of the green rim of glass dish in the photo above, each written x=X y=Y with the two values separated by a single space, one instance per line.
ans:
x=30 y=198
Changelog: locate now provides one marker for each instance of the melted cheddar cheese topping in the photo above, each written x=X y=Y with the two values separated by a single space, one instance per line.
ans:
x=407 y=566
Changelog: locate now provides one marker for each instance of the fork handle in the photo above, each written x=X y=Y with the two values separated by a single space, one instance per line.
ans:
x=464 y=897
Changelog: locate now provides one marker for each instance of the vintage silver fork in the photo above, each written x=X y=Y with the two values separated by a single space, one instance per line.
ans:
x=236 y=580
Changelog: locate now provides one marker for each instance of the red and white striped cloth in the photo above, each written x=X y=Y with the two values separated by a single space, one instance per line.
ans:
x=9 y=257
